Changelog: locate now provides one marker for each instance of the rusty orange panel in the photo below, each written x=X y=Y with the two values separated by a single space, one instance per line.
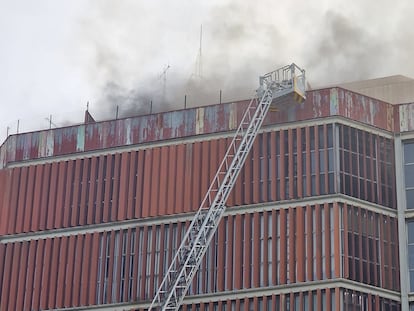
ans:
x=5 y=184
x=188 y=169
x=256 y=252
x=44 y=196
x=90 y=282
x=54 y=268
x=203 y=178
x=146 y=188
x=328 y=237
x=84 y=192
x=113 y=205
x=290 y=163
x=29 y=199
x=106 y=212
x=68 y=193
x=139 y=185
x=61 y=272
x=21 y=202
x=36 y=198
x=300 y=244
x=230 y=251
x=79 y=261
x=213 y=165
x=283 y=165
x=123 y=186
x=69 y=271
x=45 y=289
x=195 y=176
x=247 y=236
x=14 y=197
x=256 y=169
x=155 y=182
x=8 y=262
x=38 y=274
x=100 y=188
x=131 y=184
x=163 y=182
x=76 y=192
x=2 y=268
x=283 y=248
x=52 y=196
x=179 y=187
x=221 y=231
x=15 y=268
x=91 y=197
x=292 y=247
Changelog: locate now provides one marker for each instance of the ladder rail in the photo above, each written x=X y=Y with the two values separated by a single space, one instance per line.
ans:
x=245 y=134
x=202 y=228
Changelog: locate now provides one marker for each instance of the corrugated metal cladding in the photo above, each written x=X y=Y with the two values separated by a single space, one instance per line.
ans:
x=284 y=164
x=252 y=250
x=182 y=123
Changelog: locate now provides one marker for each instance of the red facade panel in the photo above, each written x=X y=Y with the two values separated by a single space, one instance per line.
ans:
x=51 y=211
x=14 y=196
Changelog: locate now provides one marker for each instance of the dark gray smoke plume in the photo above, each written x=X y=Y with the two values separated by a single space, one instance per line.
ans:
x=142 y=53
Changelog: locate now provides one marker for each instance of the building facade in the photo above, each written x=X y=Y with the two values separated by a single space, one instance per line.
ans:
x=321 y=216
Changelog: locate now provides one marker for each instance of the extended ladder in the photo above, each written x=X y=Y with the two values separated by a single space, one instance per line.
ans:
x=280 y=84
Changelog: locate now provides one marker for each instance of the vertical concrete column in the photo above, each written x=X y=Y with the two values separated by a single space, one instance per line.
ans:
x=402 y=234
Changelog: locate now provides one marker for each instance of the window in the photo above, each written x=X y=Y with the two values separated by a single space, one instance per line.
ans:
x=410 y=239
x=409 y=173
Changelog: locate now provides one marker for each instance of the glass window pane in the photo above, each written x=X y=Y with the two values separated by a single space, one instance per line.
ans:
x=410 y=229
x=409 y=153
x=409 y=175
x=410 y=198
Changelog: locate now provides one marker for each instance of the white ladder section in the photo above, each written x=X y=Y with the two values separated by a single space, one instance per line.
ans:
x=186 y=261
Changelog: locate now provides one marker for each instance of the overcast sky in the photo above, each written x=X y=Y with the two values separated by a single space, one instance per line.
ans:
x=55 y=56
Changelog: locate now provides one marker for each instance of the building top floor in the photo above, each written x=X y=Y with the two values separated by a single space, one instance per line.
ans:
x=94 y=136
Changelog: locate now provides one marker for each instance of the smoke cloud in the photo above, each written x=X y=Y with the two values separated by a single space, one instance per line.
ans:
x=140 y=54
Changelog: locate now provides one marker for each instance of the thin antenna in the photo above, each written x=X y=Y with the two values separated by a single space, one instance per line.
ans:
x=200 y=63
x=50 y=122
x=18 y=124
x=163 y=75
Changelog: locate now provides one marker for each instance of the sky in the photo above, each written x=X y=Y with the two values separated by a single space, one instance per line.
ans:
x=133 y=56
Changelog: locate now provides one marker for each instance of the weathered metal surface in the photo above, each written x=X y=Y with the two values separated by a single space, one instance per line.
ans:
x=196 y=121
x=406 y=117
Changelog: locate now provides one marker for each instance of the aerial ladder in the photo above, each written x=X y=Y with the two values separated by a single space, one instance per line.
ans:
x=279 y=88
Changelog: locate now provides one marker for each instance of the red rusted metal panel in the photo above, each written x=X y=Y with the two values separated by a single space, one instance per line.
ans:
x=247 y=249
x=115 y=191
x=45 y=289
x=292 y=244
x=146 y=192
x=8 y=262
x=283 y=248
x=52 y=196
x=74 y=216
x=179 y=187
x=79 y=261
x=152 y=265
x=29 y=199
x=132 y=184
x=14 y=197
x=289 y=165
x=2 y=268
x=154 y=183
x=163 y=181
x=256 y=169
x=21 y=202
x=69 y=271
x=60 y=288
x=221 y=252
x=54 y=268
x=5 y=184
x=238 y=240
x=318 y=230
x=106 y=212
x=100 y=189
x=84 y=192
x=300 y=244
x=85 y=266
x=91 y=278
x=188 y=182
x=230 y=250
x=256 y=250
x=140 y=182
x=123 y=186
x=14 y=278
x=68 y=193
x=300 y=168
x=309 y=243
x=44 y=196
x=327 y=210
x=144 y=262
x=38 y=274
x=196 y=175
x=308 y=162
x=317 y=168
x=336 y=237
x=91 y=197
x=247 y=174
